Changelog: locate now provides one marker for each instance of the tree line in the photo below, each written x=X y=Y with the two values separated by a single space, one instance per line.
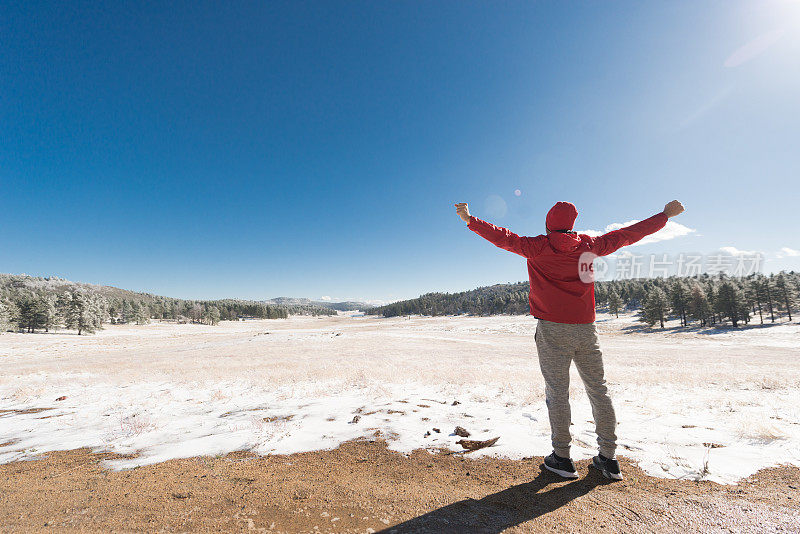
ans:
x=702 y=300
x=30 y=304
x=490 y=300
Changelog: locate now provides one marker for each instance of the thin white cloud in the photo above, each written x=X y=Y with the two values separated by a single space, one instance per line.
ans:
x=754 y=48
x=670 y=231
x=733 y=251
x=622 y=253
x=786 y=252
x=371 y=302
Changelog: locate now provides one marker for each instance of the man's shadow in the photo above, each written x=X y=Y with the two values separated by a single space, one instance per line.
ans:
x=504 y=509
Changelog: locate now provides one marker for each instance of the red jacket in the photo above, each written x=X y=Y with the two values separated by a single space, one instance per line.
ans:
x=557 y=292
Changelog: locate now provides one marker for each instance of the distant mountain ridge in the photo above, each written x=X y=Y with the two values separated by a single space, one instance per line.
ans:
x=340 y=306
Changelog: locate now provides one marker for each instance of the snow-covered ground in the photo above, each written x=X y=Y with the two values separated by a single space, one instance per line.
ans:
x=693 y=404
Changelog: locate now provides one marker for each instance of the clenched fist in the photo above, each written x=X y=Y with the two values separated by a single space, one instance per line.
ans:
x=463 y=211
x=673 y=208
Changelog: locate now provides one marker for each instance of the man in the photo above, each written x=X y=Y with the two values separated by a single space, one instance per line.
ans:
x=563 y=302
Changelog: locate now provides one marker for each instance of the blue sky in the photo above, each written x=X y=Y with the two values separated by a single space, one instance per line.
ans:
x=208 y=150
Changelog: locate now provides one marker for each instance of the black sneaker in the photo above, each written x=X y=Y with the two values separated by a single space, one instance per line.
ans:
x=560 y=466
x=608 y=466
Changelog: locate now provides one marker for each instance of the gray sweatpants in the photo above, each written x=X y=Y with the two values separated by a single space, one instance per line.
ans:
x=558 y=345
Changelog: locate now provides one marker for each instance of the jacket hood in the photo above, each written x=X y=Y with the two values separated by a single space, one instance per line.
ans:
x=561 y=216
x=564 y=242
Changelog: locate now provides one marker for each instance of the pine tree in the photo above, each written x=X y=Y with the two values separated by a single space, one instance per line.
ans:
x=768 y=291
x=127 y=312
x=679 y=297
x=6 y=313
x=756 y=291
x=785 y=291
x=211 y=315
x=655 y=306
x=196 y=313
x=614 y=303
x=139 y=313
x=49 y=311
x=711 y=297
x=82 y=313
x=601 y=294
x=730 y=303
x=29 y=314
x=113 y=310
x=699 y=307
x=100 y=311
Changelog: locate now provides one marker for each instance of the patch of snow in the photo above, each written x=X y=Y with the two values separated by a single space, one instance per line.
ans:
x=696 y=404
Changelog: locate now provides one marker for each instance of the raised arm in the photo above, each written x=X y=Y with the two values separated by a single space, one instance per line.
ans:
x=501 y=237
x=616 y=239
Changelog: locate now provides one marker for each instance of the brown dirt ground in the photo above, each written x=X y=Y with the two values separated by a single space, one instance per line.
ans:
x=364 y=487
